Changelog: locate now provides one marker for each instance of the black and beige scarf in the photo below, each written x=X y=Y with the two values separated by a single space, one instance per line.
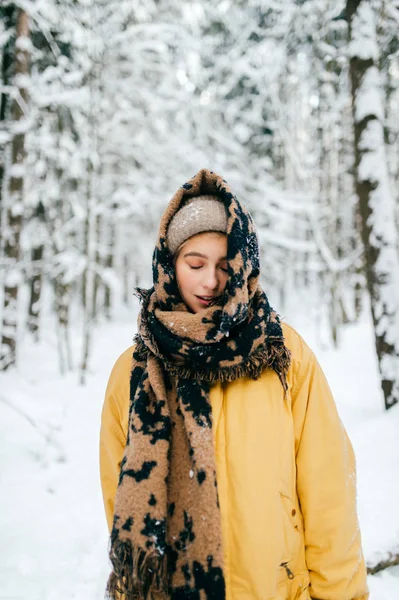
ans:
x=166 y=539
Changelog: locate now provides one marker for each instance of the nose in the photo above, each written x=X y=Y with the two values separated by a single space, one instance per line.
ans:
x=211 y=281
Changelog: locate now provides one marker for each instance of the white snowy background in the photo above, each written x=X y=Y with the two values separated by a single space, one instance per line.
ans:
x=122 y=103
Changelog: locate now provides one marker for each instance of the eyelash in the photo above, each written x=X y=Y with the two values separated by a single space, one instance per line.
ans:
x=195 y=268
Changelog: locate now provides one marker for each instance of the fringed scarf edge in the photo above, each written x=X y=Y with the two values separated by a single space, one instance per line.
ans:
x=276 y=357
x=136 y=573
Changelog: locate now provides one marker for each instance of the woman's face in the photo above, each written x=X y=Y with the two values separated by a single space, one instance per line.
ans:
x=201 y=269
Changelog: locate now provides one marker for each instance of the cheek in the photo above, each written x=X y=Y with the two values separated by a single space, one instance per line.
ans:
x=186 y=277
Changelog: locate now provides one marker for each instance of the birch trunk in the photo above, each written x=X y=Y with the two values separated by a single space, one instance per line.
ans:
x=91 y=223
x=109 y=264
x=89 y=280
x=35 y=291
x=36 y=278
x=97 y=285
x=376 y=201
x=62 y=303
x=14 y=197
x=127 y=291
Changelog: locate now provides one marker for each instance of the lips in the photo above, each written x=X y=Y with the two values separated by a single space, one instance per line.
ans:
x=207 y=300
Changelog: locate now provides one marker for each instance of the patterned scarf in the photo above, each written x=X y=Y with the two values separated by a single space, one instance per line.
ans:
x=166 y=540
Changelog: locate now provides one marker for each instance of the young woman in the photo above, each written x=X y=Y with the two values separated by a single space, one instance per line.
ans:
x=226 y=471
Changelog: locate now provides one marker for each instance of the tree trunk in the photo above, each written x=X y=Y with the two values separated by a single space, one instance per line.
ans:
x=98 y=259
x=375 y=198
x=109 y=264
x=35 y=291
x=127 y=292
x=14 y=201
x=36 y=279
x=62 y=304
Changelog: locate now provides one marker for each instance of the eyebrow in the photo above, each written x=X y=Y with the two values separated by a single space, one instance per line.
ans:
x=202 y=255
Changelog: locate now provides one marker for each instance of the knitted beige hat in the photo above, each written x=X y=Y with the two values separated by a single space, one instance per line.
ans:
x=200 y=214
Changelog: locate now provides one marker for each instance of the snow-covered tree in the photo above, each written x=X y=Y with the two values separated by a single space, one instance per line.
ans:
x=373 y=187
x=13 y=185
x=127 y=100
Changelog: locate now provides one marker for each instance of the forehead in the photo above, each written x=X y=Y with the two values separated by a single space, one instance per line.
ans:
x=206 y=243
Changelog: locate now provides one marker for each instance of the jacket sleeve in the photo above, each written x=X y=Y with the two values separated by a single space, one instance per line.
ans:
x=113 y=430
x=326 y=485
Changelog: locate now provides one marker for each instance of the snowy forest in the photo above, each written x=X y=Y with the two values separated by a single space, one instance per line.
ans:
x=106 y=107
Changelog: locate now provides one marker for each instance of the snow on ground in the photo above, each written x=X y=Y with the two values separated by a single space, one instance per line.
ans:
x=53 y=536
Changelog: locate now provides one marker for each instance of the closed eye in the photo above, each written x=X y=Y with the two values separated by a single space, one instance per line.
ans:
x=224 y=269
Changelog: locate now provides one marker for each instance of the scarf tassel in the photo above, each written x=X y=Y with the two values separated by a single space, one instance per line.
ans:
x=136 y=575
x=276 y=356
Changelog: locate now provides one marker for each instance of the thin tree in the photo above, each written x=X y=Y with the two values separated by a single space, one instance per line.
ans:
x=14 y=201
x=36 y=275
x=375 y=198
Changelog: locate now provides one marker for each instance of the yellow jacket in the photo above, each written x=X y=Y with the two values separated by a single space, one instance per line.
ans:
x=286 y=481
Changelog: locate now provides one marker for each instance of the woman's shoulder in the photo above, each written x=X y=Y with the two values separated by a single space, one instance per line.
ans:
x=125 y=358
x=122 y=364
x=301 y=353
x=118 y=382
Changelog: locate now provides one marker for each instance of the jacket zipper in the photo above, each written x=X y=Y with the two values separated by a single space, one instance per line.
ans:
x=290 y=574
